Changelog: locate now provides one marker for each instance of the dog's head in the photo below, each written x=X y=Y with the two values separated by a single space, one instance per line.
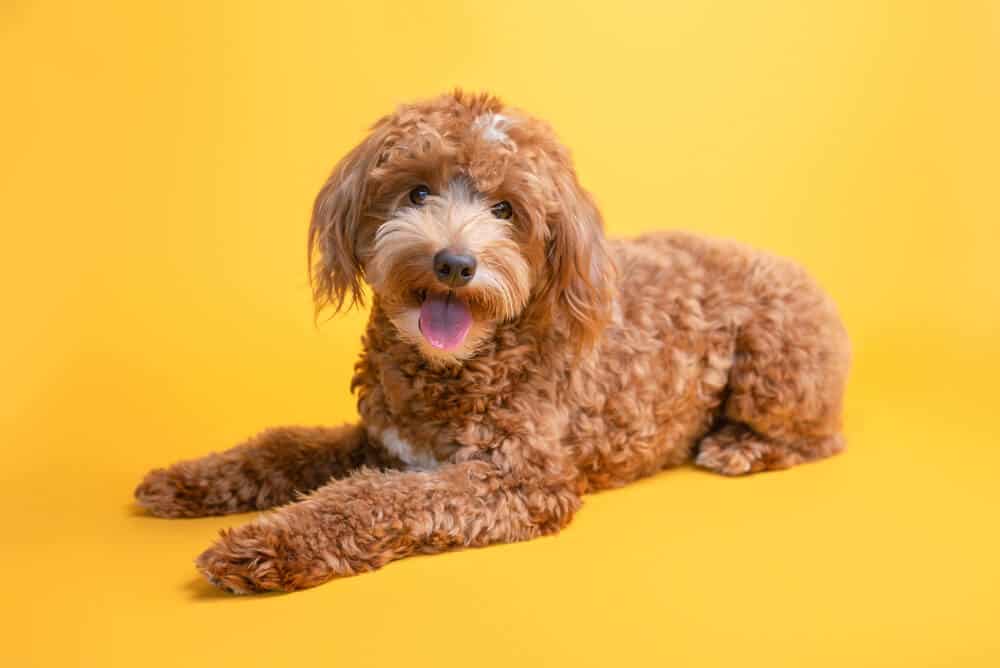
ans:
x=461 y=214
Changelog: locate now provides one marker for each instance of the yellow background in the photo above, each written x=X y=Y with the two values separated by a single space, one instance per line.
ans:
x=157 y=165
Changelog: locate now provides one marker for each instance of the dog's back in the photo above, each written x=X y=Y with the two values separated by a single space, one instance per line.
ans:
x=710 y=336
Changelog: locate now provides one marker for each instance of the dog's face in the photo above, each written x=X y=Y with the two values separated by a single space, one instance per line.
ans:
x=461 y=214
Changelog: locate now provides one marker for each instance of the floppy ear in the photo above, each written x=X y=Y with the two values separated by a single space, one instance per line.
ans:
x=582 y=278
x=338 y=213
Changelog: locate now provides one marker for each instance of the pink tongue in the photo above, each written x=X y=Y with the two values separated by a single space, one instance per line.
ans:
x=444 y=321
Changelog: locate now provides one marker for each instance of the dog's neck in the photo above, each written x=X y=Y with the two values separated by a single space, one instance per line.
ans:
x=404 y=398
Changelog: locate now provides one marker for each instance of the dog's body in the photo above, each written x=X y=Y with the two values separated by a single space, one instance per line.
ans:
x=696 y=322
x=489 y=405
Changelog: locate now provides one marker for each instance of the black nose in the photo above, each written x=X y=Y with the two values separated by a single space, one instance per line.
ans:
x=454 y=269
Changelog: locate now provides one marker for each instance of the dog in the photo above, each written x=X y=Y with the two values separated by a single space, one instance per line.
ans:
x=514 y=360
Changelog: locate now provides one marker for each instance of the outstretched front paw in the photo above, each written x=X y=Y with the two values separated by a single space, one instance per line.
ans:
x=212 y=485
x=173 y=492
x=267 y=555
x=243 y=561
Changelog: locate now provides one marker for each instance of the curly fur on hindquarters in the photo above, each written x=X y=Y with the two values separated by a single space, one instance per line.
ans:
x=586 y=364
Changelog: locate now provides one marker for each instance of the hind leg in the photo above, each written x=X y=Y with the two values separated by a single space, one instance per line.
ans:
x=786 y=384
x=735 y=449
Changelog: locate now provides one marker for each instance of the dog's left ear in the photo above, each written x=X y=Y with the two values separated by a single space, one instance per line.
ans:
x=582 y=275
x=338 y=213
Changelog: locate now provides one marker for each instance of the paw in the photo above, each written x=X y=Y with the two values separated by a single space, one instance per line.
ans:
x=733 y=450
x=243 y=561
x=199 y=488
x=264 y=556
x=738 y=460
x=171 y=493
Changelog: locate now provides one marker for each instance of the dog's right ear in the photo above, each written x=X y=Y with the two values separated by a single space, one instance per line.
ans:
x=336 y=272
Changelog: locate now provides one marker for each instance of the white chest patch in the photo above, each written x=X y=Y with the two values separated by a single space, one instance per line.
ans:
x=494 y=127
x=412 y=457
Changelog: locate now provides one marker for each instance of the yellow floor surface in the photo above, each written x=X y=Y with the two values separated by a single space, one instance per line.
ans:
x=157 y=166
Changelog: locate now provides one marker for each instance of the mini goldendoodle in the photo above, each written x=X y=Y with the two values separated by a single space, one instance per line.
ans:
x=515 y=359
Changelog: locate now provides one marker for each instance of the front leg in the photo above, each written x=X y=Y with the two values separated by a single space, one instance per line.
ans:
x=374 y=517
x=269 y=470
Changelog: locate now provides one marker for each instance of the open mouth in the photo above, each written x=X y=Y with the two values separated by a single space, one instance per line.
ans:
x=445 y=320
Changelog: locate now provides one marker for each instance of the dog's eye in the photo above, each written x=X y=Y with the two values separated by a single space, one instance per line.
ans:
x=502 y=210
x=419 y=195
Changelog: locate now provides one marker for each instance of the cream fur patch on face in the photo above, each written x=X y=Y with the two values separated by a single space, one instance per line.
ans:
x=493 y=127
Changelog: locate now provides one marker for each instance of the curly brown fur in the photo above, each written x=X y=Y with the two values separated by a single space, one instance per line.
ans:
x=576 y=363
x=271 y=469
